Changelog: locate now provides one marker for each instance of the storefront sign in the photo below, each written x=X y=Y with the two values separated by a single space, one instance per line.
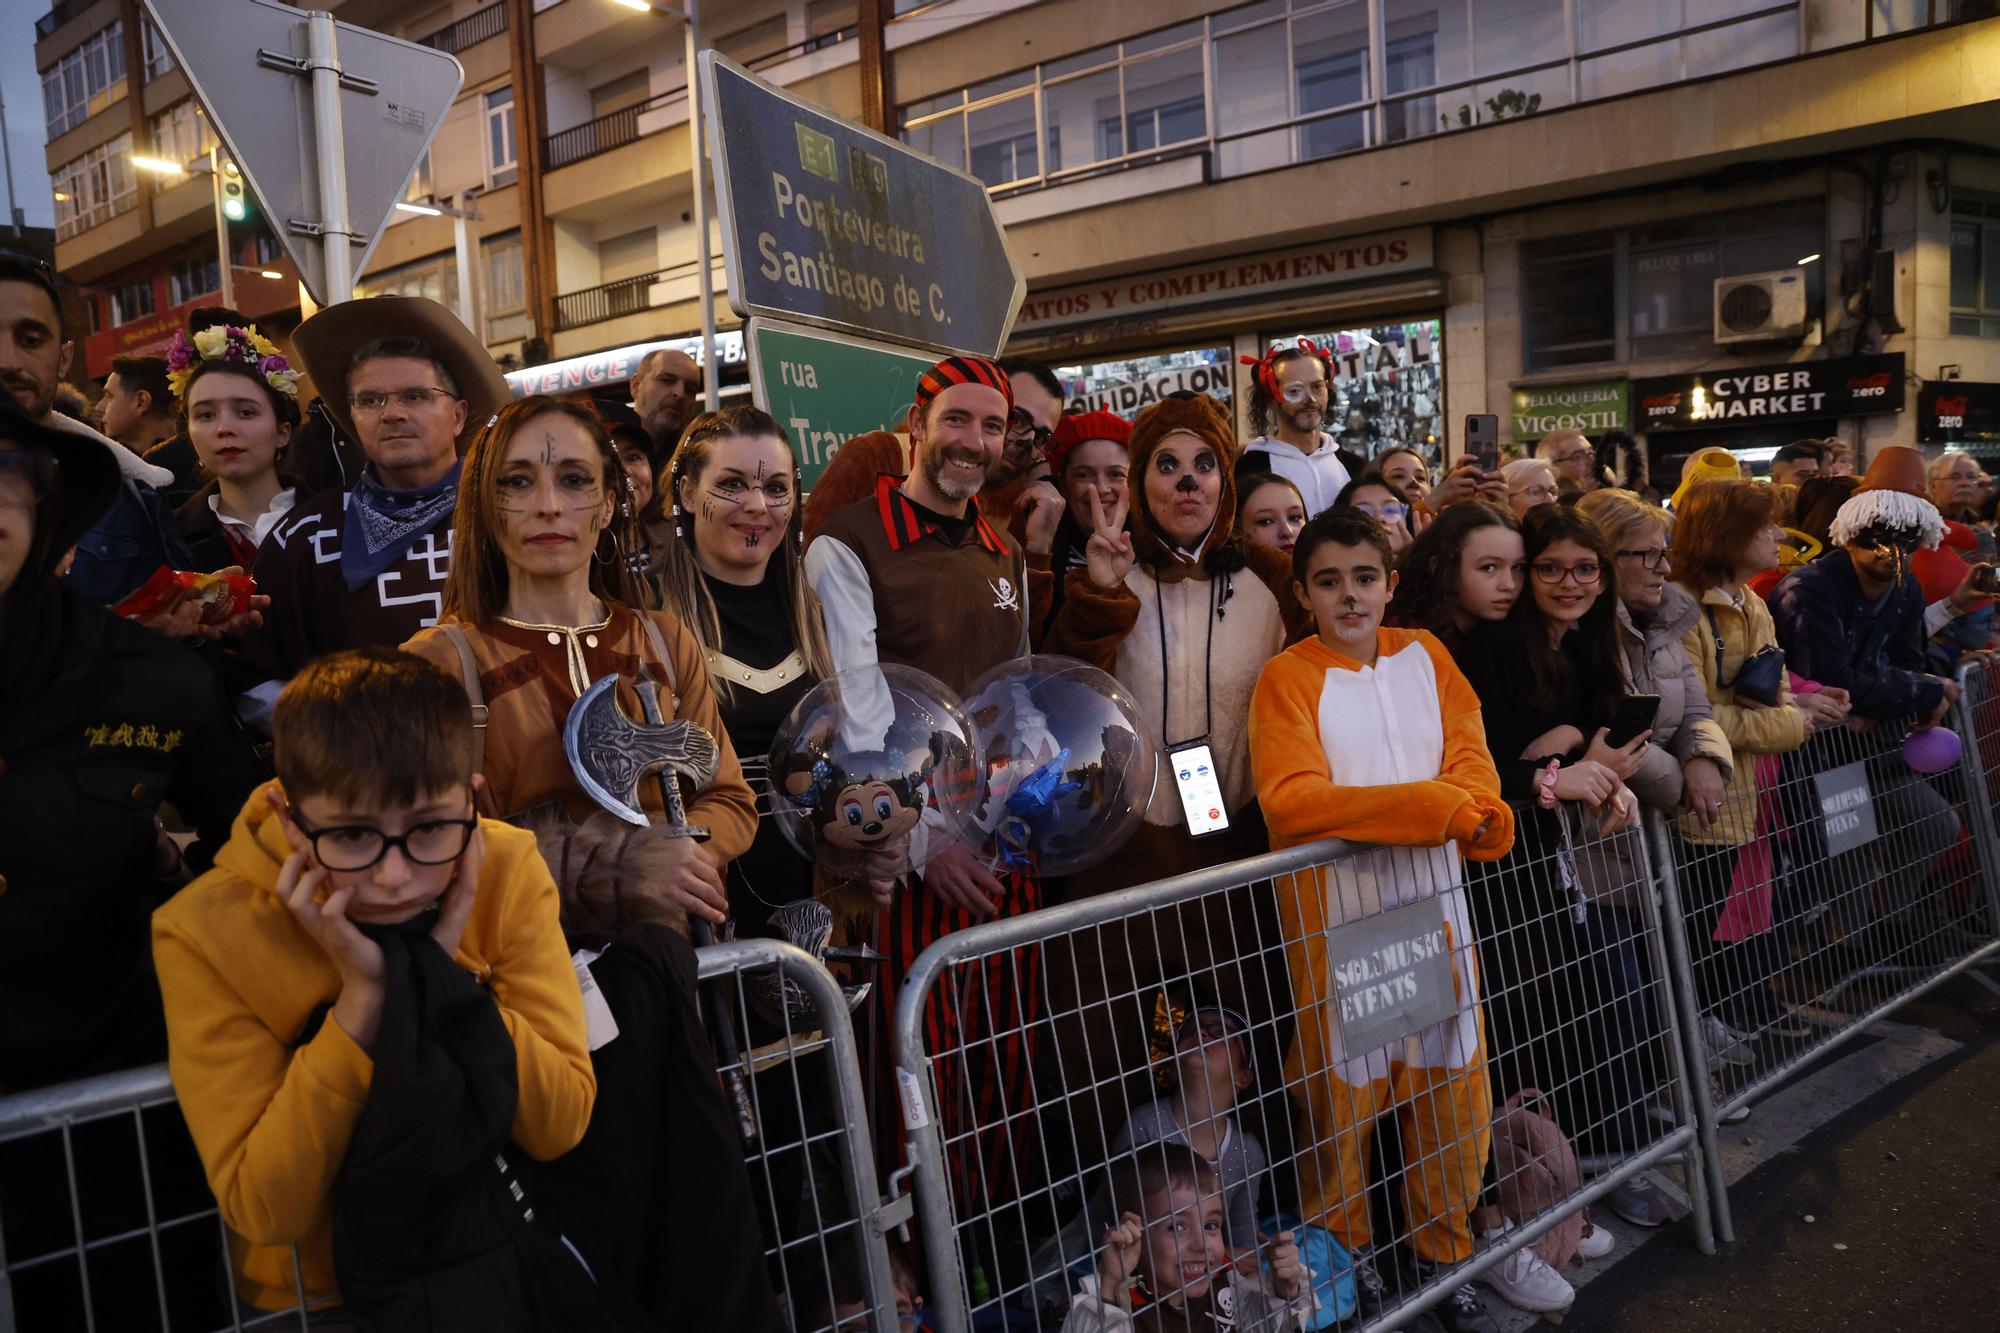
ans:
x=1958 y=412
x=1846 y=808
x=1796 y=391
x=1593 y=407
x=1132 y=396
x=1357 y=259
x=1391 y=975
x=617 y=366
x=825 y=388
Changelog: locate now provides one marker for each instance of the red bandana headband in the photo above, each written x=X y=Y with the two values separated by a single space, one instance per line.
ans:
x=962 y=370
x=1266 y=366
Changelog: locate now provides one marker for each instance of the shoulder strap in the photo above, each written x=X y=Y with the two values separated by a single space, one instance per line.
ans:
x=468 y=672
x=658 y=642
x=1716 y=630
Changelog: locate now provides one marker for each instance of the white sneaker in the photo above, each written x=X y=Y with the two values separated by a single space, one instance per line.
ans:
x=1525 y=1281
x=1597 y=1241
x=1723 y=1044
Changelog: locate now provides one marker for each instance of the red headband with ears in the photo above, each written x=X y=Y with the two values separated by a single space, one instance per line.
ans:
x=1266 y=373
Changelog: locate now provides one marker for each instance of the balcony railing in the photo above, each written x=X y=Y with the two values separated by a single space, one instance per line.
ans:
x=617 y=128
x=62 y=13
x=627 y=296
x=473 y=28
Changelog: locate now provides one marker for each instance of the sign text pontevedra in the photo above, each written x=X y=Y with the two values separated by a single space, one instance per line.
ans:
x=830 y=223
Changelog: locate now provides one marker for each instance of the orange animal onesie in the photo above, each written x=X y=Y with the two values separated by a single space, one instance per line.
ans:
x=1392 y=754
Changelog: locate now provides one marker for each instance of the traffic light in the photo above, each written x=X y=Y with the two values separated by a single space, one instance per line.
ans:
x=235 y=202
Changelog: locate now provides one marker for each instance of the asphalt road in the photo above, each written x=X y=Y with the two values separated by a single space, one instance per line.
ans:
x=1883 y=1215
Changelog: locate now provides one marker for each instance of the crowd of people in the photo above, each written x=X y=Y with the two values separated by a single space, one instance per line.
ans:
x=431 y=1012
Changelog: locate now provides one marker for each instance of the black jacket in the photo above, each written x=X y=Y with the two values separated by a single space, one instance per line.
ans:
x=121 y=720
x=433 y=1228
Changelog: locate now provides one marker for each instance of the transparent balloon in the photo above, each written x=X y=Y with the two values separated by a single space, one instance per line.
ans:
x=1068 y=766
x=865 y=758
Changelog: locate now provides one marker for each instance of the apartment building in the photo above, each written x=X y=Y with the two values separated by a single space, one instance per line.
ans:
x=1701 y=221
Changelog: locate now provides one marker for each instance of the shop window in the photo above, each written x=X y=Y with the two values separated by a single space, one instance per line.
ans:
x=501 y=165
x=1975 y=265
x=1128 y=385
x=132 y=300
x=1387 y=385
x=1569 y=299
x=192 y=277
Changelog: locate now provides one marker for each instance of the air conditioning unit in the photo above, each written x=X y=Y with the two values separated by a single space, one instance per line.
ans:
x=1761 y=307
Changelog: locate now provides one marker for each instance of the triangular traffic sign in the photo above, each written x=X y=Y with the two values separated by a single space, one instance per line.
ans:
x=245 y=60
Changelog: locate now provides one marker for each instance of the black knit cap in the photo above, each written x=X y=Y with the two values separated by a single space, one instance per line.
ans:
x=962 y=370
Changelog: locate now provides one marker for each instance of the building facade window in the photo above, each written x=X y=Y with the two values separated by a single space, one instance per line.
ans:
x=267 y=248
x=132 y=300
x=191 y=277
x=420 y=189
x=158 y=58
x=1975 y=265
x=501 y=165
x=81 y=84
x=435 y=279
x=506 y=295
x=95 y=187
x=1648 y=293
x=1271 y=83
x=181 y=133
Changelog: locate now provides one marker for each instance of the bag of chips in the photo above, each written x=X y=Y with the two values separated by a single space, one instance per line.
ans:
x=221 y=596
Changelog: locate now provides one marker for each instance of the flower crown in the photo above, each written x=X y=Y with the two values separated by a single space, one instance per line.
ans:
x=245 y=346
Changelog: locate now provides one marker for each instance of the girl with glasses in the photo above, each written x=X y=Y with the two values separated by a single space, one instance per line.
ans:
x=1549 y=678
x=1386 y=504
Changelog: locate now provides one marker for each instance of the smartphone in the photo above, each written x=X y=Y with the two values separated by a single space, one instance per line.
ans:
x=1987 y=578
x=1201 y=790
x=1482 y=440
x=1635 y=713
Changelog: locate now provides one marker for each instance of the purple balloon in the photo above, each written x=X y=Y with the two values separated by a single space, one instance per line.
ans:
x=1931 y=750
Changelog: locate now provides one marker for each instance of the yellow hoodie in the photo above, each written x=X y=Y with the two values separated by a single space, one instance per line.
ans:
x=270 y=1117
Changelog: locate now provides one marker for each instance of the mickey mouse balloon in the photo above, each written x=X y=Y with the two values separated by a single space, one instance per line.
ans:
x=873 y=759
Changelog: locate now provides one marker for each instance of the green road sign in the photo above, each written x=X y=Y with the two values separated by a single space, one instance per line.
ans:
x=826 y=388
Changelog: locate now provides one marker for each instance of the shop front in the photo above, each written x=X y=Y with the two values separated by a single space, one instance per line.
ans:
x=1595 y=408
x=1961 y=414
x=1372 y=303
x=1753 y=411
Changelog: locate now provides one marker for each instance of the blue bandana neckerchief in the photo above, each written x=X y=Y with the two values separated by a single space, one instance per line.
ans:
x=381 y=524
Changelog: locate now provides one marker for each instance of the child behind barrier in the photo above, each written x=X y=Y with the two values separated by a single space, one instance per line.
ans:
x=1165 y=1265
x=1372 y=734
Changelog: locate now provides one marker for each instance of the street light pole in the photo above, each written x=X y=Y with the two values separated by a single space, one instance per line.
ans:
x=330 y=156
x=698 y=162
x=224 y=261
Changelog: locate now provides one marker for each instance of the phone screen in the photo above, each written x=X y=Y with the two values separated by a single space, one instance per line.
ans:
x=1635 y=714
x=1201 y=790
x=1482 y=440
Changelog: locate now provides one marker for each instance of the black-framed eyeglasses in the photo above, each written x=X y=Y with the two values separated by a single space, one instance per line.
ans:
x=1583 y=573
x=1021 y=429
x=434 y=842
x=1655 y=559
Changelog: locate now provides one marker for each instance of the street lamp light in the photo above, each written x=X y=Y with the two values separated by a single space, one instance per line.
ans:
x=688 y=12
x=228 y=182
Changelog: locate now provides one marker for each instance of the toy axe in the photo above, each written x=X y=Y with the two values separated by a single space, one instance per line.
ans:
x=611 y=755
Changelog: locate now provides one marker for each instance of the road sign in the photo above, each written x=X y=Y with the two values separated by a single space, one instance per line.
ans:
x=830 y=223
x=246 y=60
x=826 y=388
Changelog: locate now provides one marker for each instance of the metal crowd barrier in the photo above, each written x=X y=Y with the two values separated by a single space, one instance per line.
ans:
x=1858 y=885
x=106 y=1221
x=1400 y=1002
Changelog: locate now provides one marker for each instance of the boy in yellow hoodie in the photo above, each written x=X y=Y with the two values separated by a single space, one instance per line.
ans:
x=275 y=996
x=1371 y=734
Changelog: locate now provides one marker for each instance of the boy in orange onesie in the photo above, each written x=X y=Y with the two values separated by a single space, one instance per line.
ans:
x=1372 y=734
